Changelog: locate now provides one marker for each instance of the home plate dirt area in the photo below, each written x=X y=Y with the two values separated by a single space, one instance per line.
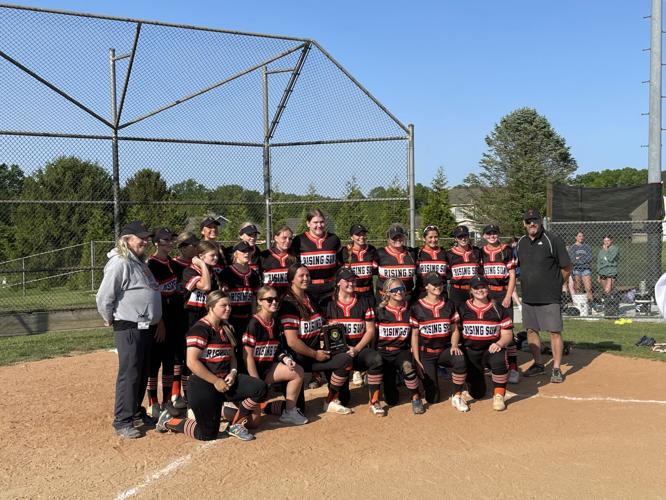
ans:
x=602 y=433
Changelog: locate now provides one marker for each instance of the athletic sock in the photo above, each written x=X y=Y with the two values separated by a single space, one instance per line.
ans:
x=175 y=385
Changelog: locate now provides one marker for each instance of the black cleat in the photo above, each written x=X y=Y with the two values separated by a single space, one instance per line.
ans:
x=641 y=341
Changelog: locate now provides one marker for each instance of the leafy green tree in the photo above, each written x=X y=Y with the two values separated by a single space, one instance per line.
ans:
x=350 y=213
x=99 y=229
x=141 y=191
x=180 y=215
x=384 y=213
x=609 y=178
x=41 y=227
x=437 y=209
x=524 y=155
x=11 y=184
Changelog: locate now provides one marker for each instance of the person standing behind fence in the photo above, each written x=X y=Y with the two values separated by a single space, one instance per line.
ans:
x=318 y=250
x=163 y=353
x=358 y=255
x=607 y=264
x=129 y=300
x=276 y=259
x=581 y=257
x=545 y=266
x=465 y=262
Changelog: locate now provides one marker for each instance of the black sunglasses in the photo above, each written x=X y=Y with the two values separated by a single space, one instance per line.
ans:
x=270 y=300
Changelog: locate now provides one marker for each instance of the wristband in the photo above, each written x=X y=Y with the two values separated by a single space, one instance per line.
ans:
x=233 y=372
x=285 y=358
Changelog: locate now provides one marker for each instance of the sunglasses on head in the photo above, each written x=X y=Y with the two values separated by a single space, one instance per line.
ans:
x=397 y=289
x=270 y=300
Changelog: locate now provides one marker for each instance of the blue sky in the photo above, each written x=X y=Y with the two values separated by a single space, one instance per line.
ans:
x=454 y=68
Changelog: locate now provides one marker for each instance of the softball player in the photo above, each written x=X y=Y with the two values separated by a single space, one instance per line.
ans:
x=215 y=378
x=266 y=360
x=276 y=259
x=358 y=255
x=499 y=268
x=436 y=341
x=248 y=233
x=356 y=314
x=199 y=279
x=393 y=343
x=210 y=229
x=486 y=331
x=302 y=325
x=396 y=260
x=318 y=251
x=430 y=258
x=465 y=262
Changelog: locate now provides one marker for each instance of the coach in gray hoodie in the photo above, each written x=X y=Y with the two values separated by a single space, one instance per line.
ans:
x=129 y=300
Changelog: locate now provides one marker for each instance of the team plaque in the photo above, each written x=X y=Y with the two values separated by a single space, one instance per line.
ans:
x=334 y=338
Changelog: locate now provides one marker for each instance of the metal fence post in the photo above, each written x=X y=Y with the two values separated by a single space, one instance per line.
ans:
x=23 y=275
x=268 y=225
x=411 y=185
x=92 y=265
x=114 y=145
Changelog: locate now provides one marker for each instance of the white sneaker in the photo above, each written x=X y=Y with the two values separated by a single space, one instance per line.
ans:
x=190 y=414
x=293 y=417
x=357 y=379
x=336 y=407
x=376 y=409
x=498 y=403
x=514 y=376
x=459 y=403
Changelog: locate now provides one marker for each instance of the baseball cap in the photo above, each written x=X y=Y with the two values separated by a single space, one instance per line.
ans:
x=163 y=234
x=357 y=229
x=251 y=229
x=461 y=231
x=242 y=246
x=478 y=281
x=192 y=240
x=432 y=278
x=137 y=228
x=345 y=273
x=491 y=228
x=209 y=221
x=532 y=214
x=395 y=230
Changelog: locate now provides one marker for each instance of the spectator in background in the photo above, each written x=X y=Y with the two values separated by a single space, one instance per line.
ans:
x=581 y=257
x=129 y=300
x=607 y=261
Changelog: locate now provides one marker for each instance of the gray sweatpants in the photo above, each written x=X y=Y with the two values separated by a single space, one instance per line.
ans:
x=133 y=347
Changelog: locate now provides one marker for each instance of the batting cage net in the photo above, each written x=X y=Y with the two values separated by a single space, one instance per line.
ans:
x=107 y=120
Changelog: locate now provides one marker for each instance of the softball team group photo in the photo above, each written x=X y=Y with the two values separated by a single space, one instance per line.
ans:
x=236 y=332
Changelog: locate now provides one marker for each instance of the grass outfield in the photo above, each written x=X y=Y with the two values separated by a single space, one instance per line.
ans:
x=599 y=335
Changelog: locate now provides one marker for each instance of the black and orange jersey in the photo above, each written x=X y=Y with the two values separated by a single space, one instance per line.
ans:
x=352 y=316
x=464 y=264
x=308 y=326
x=164 y=275
x=241 y=287
x=430 y=260
x=434 y=322
x=179 y=265
x=319 y=255
x=393 y=264
x=195 y=298
x=265 y=341
x=255 y=258
x=360 y=261
x=216 y=350
x=481 y=326
x=274 y=267
x=393 y=327
x=497 y=262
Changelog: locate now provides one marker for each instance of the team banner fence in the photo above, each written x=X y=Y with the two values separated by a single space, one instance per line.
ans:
x=107 y=120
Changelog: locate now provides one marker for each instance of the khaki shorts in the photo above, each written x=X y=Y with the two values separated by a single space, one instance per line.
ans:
x=542 y=317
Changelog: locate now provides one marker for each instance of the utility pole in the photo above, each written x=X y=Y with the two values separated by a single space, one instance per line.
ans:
x=654 y=144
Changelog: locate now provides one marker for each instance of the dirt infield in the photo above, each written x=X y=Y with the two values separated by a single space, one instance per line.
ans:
x=600 y=434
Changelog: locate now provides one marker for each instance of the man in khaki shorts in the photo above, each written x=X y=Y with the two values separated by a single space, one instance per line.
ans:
x=544 y=266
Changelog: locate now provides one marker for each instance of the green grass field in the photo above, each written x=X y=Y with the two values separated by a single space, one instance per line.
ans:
x=600 y=335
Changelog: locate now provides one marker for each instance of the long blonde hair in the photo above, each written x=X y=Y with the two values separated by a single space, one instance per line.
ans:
x=388 y=284
x=122 y=247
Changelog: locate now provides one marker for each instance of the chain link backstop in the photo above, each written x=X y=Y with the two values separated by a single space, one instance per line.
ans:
x=106 y=120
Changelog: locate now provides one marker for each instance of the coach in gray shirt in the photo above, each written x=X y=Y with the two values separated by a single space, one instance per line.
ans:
x=544 y=266
x=129 y=300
